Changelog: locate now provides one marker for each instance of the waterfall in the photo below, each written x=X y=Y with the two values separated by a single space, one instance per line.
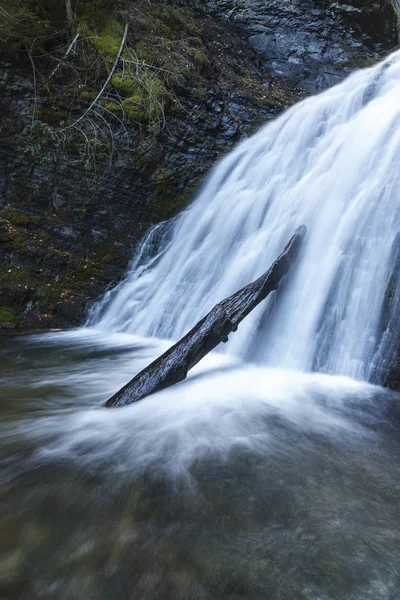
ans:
x=332 y=162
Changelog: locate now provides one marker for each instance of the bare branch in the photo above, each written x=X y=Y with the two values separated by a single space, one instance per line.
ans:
x=70 y=16
x=34 y=84
x=107 y=81
x=72 y=44
x=2 y=10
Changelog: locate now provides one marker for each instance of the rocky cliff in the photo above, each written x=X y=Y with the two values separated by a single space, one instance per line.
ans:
x=82 y=176
x=312 y=44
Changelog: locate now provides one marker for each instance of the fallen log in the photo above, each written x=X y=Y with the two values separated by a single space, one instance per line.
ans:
x=173 y=366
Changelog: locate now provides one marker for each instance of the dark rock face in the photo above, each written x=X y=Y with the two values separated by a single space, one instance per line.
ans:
x=312 y=44
x=68 y=230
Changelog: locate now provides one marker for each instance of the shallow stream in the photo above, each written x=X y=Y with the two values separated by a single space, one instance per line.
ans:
x=242 y=482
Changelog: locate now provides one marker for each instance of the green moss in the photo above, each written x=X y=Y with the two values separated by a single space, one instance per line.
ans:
x=166 y=206
x=144 y=52
x=166 y=209
x=21 y=27
x=15 y=217
x=6 y=314
x=114 y=107
x=20 y=243
x=53 y=114
x=108 y=41
x=50 y=294
x=8 y=318
x=95 y=13
x=75 y=279
x=107 y=253
x=160 y=59
x=126 y=85
x=199 y=55
x=134 y=110
x=88 y=94
x=144 y=95
x=164 y=51
x=26 y=236
x=137 y=86
x=164 y=179
x=177 y=20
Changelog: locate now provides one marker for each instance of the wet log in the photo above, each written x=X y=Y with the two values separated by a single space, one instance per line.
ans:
x=173 y=366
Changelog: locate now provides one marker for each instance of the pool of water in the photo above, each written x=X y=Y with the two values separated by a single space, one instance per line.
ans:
x=239 y=483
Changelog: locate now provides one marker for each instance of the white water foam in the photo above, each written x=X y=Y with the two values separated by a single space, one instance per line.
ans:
x=333 y=163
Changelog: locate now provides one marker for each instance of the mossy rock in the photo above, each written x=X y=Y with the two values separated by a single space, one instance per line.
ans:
x=144 y=96
x=166 y=206
x=18 y=218
x=108 y=41
x=21 y=27
x=8 y=318
x=108 y=253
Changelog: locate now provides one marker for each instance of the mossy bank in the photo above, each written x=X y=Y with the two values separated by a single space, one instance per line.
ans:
x=82 y=179
x=110 y=121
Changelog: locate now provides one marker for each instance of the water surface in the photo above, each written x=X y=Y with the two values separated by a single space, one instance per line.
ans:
x=240 y=483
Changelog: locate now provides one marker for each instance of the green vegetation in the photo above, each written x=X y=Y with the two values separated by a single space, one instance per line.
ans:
x=107 y=253
x=163 y=52
x=85 y=113
x=34 y=256
x=108 y=40
x=8 y=318
x=167 y=206
x=79 y=107
x=15 y=217
x=21 y=28
x=6 y=314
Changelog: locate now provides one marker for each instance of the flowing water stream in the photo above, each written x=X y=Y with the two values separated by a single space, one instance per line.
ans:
x=331 y=163
x=273 y=472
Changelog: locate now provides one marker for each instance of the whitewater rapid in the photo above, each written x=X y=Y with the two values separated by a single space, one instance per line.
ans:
x=244 y=480
x=332 y=162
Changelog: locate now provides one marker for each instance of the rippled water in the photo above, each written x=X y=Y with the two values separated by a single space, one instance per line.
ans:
x=241 y=482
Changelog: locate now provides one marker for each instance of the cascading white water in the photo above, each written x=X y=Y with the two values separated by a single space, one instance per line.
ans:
x=242 y=481
x=333 y=163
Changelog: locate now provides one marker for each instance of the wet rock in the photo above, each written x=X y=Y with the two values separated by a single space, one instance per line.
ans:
x=311 y=44
x=58 y=200
x=67 y=228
